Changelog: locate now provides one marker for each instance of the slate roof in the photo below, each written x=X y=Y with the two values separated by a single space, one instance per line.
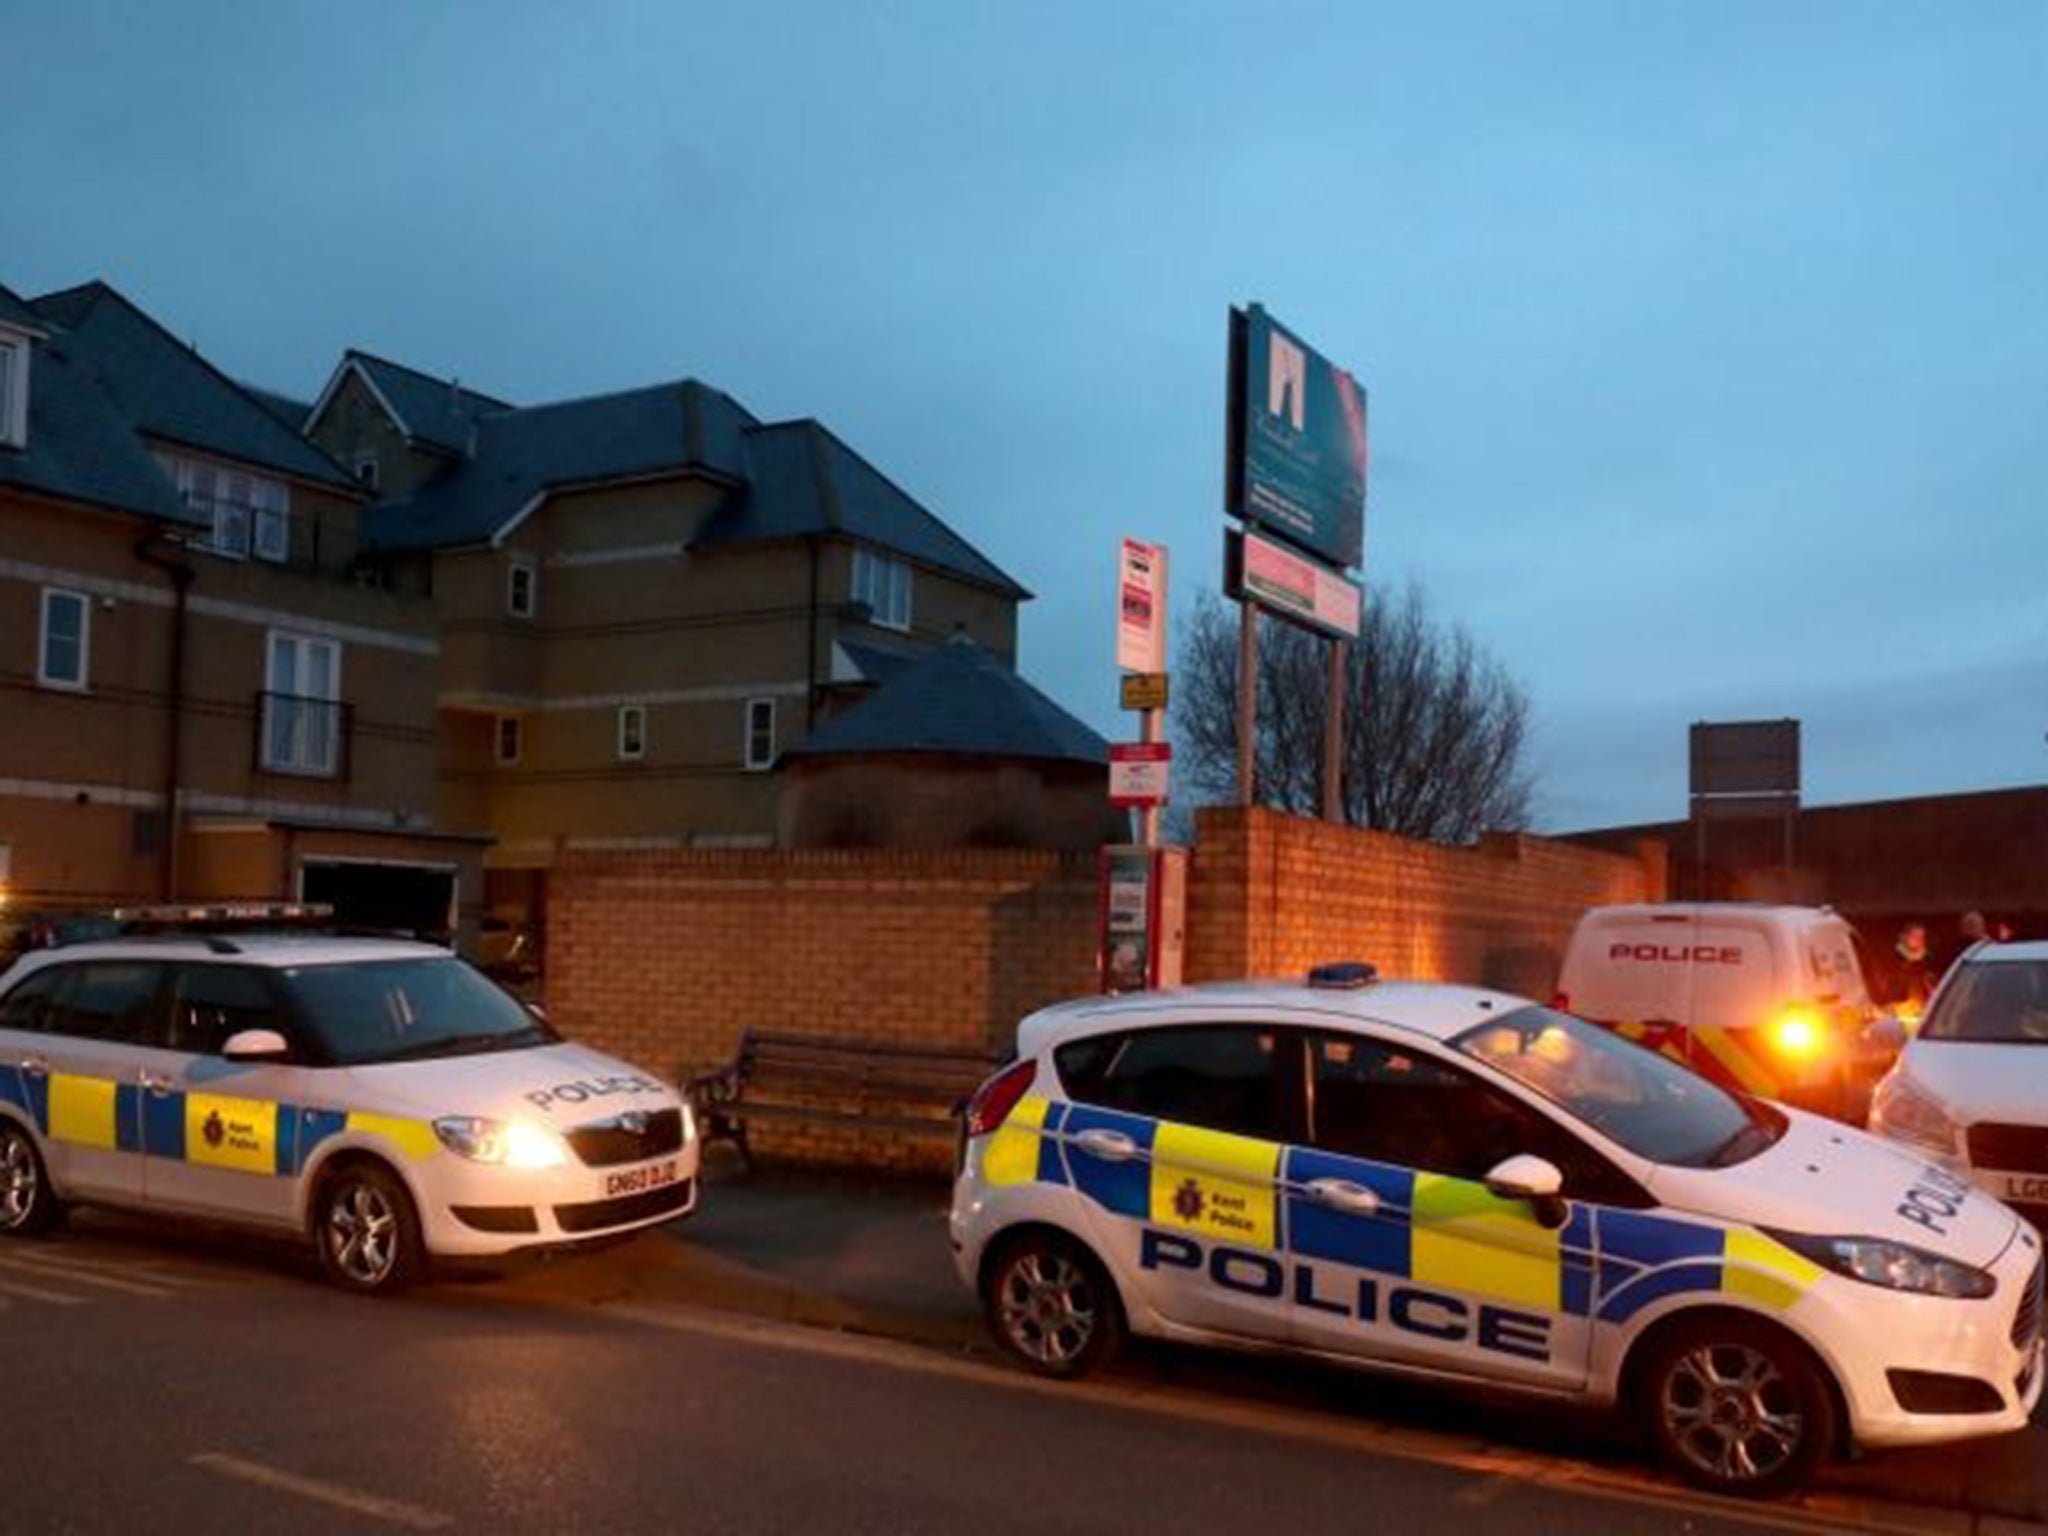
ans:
x=14 y=312
x=169 y=391
x=288 y=409
x=801 y=479
x=519 y=454
x=960 y=700
x=80 y=446
x=436 y=412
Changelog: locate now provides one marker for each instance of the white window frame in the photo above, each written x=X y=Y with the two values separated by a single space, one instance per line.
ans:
x=512 y=604
x=48 y=679
x=631 y=751
x=883 y=583
x=499 y=755
x=14 y=365
x=270 y=519
x=367 y=459
x=258 y=525
x=748 y=760
x=306 y=751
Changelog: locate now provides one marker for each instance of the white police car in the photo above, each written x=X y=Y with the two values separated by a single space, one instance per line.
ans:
x=382 y=1097
x=1463 y=1185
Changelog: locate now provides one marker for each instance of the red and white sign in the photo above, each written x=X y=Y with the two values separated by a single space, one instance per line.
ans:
x=1138 y=773
x=1303 y=589
x=1141 y=607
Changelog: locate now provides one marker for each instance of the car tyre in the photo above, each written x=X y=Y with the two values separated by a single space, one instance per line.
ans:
x=1738 y=1407
x=367 y=1231
x=28 y=1203
x=1051 y=1305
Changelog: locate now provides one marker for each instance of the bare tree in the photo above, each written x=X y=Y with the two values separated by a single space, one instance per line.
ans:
x=1434 y=728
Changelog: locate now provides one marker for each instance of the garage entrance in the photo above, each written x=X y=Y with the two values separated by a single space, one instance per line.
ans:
x=415 y=900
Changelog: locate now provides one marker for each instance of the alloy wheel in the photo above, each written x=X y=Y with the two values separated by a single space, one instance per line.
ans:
x=1047 y=1307
x=362 y=1233
x=1731 y=1412
x=19 y=1180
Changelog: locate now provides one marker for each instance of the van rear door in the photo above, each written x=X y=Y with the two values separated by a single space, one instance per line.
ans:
x=1629 y=968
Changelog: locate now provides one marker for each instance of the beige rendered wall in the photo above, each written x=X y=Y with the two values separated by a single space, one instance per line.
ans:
x=77 y=766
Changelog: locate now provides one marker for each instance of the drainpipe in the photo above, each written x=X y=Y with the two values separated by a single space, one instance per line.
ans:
x=166 y=554
x=811 y=650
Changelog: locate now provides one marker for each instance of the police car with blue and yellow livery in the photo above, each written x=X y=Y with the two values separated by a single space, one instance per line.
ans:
x=1463 y=1185
x=382 y=1097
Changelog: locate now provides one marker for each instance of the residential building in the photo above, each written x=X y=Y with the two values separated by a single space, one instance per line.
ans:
x=203 y=691
x=645 y=598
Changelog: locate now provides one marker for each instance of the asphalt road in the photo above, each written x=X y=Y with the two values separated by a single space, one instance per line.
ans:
x=154 y=1383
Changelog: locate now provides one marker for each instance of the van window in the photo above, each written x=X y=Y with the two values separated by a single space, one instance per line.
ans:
x=1832 y=967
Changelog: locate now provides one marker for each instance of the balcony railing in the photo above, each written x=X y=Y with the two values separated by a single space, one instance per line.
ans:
x=306 y=736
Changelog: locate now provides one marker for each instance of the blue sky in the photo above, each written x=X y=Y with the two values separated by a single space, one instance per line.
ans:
x=1707 y=344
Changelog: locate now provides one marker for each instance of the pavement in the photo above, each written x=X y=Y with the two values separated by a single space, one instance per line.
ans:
x=869 y=1256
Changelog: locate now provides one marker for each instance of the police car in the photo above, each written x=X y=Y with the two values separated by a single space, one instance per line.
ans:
x=381 y=1097
x=1459 y=1184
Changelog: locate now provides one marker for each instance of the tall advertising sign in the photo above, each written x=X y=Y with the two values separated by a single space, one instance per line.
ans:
x=1295 y=455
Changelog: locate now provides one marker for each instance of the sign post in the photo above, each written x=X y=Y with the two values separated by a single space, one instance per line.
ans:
x=1294 y=473
x=1144 y=886
x=1141 y=649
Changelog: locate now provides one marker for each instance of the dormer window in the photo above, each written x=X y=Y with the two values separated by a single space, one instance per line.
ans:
x=13 y=390
x=884 y=585
x=367 y=468
x=251 y=513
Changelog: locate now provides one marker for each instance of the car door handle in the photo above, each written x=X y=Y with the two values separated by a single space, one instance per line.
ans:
x=1343 y=1195
x=34 y=1068
x=1110 y=1146
x=159 y=1087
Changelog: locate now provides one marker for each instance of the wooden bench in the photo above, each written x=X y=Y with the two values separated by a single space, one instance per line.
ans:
x=820 y=1080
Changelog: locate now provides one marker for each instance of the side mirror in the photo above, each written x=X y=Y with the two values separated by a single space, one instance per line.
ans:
x=256 y=1045
x=1523 y=1177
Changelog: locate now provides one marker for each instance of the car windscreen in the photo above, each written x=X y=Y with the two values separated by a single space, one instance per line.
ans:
x=406 y=1010
x=1647 y=1103
x=2001 y=1002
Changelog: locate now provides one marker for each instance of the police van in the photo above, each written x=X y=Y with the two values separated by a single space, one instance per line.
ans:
x=1463 y=1185
x=1769 y=1000
x=382 y=1098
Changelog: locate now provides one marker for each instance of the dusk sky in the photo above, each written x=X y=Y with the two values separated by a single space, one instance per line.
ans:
x=1707 y=344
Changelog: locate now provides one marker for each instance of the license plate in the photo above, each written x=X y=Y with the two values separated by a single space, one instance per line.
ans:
x=634 y=1180
x=2029 y=1186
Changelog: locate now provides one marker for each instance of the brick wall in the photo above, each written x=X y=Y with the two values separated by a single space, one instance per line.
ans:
x=663 y=957
x=1273 y=895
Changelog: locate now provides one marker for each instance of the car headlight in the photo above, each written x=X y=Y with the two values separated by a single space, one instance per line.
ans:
x=689 y=1123
x=510 y=1143
x=1904 y=1113
x=1895 y=1266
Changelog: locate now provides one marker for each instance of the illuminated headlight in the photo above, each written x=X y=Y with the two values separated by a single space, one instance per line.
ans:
x=510 y=1143
x=1902 y=1112
x=689 y=1123
x=1895 y=1266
